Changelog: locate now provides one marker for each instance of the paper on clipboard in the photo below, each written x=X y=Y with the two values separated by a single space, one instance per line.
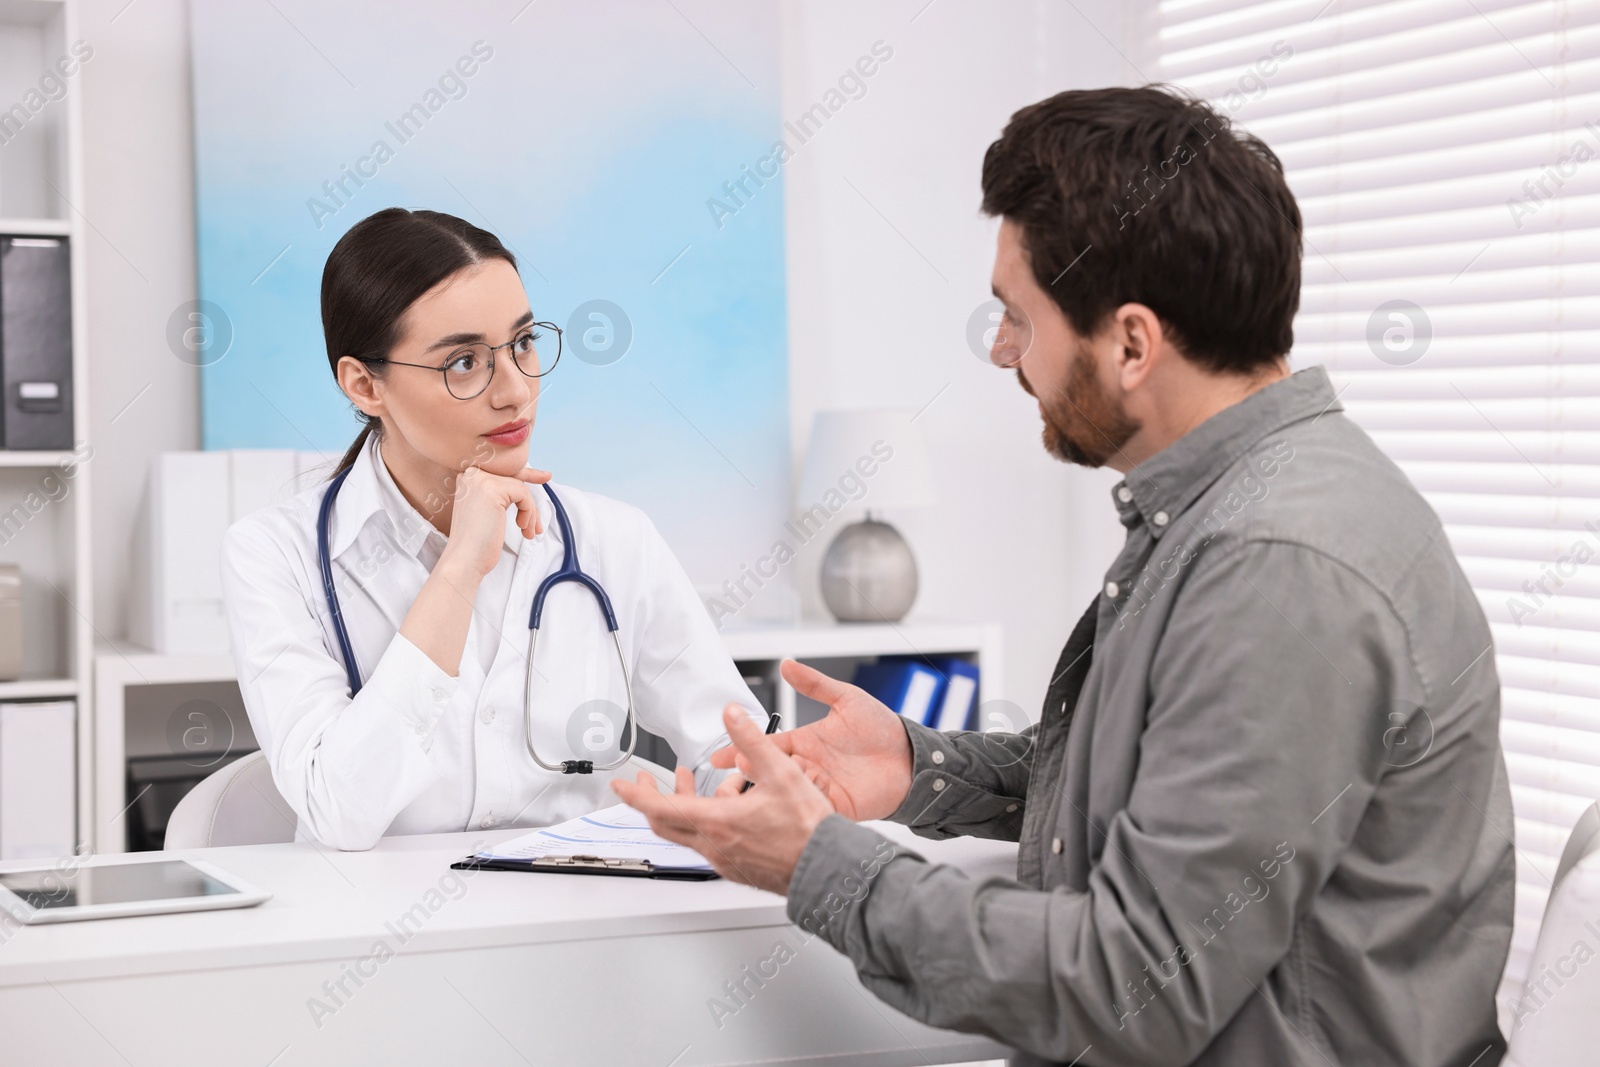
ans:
x=617 y=832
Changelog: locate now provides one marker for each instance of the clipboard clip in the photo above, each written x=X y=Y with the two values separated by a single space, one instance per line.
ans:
x=593 y=863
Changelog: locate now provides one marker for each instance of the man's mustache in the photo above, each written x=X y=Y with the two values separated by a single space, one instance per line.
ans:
x=1023 y=381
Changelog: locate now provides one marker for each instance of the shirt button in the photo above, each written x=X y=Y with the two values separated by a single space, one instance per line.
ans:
x=1124 y=494
x=937 y=757
x=1055 y=846
x=488 y=821
x=938 y=785
x=1112 y=590
x=1010 y=808
x=487 y=714
x=1160 y=518
x=438 y=694
x=422 y=730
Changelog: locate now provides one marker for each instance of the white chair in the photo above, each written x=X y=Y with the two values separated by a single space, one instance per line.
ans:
x=240 y=805
x=1557 y=1021
x=237 y=805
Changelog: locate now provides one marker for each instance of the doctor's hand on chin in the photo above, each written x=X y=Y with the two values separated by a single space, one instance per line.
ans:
x=855 y=761
x=478 y=514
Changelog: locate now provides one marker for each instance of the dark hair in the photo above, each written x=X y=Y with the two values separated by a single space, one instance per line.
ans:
x=377 y=270
x=1165 y=205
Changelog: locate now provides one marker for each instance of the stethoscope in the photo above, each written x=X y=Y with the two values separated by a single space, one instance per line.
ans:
x=569 y=571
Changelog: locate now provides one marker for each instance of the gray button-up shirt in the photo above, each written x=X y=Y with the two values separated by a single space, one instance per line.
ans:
x=1278 y=830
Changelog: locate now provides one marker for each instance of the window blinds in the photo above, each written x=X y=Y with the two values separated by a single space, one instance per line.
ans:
x=1446 y=158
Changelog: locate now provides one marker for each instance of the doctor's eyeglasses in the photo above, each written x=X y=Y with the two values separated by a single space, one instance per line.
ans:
x=469 y=369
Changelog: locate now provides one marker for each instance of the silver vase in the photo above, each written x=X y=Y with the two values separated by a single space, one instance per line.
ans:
x=869 y=573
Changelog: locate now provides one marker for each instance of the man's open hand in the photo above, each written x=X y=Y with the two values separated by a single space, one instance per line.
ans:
x=755 y=837
x=858 y=754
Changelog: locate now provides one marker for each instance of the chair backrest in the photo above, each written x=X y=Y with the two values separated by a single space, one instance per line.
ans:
x=240 y=805
x=237 y=805
x=1557 y=1022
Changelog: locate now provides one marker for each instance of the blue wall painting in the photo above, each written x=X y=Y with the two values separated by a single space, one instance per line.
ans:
x=590 y=138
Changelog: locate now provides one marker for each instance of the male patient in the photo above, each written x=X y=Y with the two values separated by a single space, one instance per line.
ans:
x=1264 y=817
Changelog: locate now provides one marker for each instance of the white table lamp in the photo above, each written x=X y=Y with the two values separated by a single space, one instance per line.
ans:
x=867 y=461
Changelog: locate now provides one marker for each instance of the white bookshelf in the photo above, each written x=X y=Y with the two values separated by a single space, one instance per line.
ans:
x=26 y=227
x=836 y=648
x=25 y=458
x=831 y=647
x=119 y=668
x=41 y=177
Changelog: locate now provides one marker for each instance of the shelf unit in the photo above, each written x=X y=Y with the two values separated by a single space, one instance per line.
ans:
x=830 y=647
x=41 y=178
x=120 y=667
x=25 y=227
x=836 y=648
x=27 y=458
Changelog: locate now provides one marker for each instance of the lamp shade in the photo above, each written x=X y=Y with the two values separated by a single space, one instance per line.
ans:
x=872 y=457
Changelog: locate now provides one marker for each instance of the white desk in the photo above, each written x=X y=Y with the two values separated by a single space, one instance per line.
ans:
x=497 y=968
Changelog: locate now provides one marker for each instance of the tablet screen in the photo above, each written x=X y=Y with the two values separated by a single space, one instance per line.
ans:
x=122 y=883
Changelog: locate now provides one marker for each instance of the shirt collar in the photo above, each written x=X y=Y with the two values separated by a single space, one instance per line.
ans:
x=370 y=492
x=1163 y=486
x=409 y=526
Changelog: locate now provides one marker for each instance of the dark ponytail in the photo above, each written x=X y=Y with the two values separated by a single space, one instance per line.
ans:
x=379 y=268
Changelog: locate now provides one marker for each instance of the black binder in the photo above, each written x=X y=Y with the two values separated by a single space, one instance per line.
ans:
x=36 y=342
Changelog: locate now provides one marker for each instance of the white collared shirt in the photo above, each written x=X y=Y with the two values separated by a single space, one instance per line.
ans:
x=419 y=750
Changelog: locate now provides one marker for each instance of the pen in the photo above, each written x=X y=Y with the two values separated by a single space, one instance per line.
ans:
x=772 y=728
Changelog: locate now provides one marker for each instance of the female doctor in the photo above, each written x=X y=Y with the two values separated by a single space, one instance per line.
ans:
x=438 y=536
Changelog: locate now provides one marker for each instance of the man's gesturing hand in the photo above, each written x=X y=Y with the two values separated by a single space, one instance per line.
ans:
x=858 y=754
x=753 y=837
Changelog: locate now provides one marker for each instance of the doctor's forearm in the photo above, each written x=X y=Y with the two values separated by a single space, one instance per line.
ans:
x=442 y=612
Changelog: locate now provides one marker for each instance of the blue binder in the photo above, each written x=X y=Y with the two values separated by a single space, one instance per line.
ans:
x=938 y=691
x=959 y=704
x=908 y=687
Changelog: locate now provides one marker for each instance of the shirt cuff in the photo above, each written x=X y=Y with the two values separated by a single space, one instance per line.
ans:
x=933 y=759
x=407 y=680
x=835 y=873
x=940 y=795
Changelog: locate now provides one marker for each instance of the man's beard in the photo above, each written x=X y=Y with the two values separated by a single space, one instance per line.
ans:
x=1085 y=424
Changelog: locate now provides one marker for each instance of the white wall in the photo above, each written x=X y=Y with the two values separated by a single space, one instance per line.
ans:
x=139 y=201
x=883 y=277
x=1018 y=538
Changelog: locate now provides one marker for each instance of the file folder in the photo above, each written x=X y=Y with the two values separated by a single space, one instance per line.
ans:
x=36 y=342
x=910 y=687
x=38 y=743
x=960 y=701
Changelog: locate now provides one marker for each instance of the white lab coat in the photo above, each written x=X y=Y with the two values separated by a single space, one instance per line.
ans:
x=419 y=750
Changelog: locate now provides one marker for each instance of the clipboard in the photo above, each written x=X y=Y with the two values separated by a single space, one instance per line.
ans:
x=583 y=864
x=612 y=841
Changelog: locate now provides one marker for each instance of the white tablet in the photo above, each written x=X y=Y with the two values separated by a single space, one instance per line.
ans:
x=108 y=887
